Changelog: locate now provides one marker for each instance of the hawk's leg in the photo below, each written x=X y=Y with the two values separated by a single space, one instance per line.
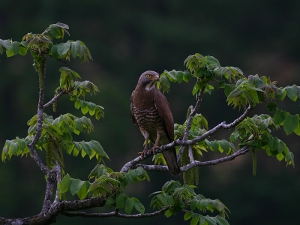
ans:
x=144 y=152
x=146 y=136
x=155 y=146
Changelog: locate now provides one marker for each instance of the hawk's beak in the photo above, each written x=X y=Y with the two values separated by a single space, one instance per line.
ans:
x=156 y=78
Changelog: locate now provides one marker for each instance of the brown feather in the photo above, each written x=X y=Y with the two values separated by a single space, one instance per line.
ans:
x=150 y=110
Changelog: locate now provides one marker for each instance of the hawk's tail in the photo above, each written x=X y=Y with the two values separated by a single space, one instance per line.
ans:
x=171 y=159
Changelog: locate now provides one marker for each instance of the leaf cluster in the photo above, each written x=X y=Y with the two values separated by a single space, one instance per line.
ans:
x=56 y=138
x=40 y=44
x=177 y=197
x=107 y=183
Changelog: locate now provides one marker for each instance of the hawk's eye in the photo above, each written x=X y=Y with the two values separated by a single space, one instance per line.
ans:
x=149 y=76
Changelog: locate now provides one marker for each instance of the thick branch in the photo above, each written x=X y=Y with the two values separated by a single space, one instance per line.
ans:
x=55 y=210
x=53 y=178
x=41 y=67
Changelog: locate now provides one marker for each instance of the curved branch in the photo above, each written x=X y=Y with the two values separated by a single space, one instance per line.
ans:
x=134 y=163
x=242 y=151
x=116 y=214
x=189 y=166
x=54 y=99
x=215 y=129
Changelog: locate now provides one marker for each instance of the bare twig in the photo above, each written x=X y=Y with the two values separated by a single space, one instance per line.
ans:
x=197 y=163
x=190 y=119
x=54 y=99
x=216 y=128
x=191 y=155
x=115 y=214
x=216 y=161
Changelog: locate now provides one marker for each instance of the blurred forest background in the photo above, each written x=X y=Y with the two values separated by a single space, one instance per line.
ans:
x=125 y=39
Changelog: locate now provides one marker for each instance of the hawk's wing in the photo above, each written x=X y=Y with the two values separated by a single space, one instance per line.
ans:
x=165 y=114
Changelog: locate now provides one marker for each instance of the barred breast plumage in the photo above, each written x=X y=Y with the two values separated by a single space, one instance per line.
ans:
x=151 y=112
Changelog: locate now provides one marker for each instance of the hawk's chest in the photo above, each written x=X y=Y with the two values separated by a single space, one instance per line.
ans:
x=146 y=114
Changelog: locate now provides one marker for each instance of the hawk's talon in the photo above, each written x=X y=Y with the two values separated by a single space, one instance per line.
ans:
x=143 y=153
x=153 y=149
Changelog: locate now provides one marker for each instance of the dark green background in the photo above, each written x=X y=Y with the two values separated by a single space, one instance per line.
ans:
x=125 y=39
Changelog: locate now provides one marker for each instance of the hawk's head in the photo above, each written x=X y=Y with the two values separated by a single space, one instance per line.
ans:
x=148 y=79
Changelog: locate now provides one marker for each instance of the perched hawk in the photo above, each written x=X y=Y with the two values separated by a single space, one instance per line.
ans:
x=150 y=110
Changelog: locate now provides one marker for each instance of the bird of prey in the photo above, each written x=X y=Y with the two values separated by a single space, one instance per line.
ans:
x=150 y=110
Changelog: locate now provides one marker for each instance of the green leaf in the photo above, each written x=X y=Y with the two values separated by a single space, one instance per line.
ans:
x=279 y=117
x=164 y=83
x=290 y=123
x=63 y=48
x=179 y=76
x=221 y=221
x=16 y=47
x=53 y=52
x=272 y=107
x=139 y=206
x=121 y=200
x=82 y=193
x=297 y=130
x=77 y=104
x=98 y=148
x=64 y=185
x=292 y=92
x=6 y=44
x=187 y=216
x=84 y=107
x=76 y=185
x=129 y=205
x=23 y=50
x=195 y=219
x=186 y=76
x=169 y=213
x=162 y=199
x=86 y=146
x=280 y=156
x=77 y=49
x=212 y=61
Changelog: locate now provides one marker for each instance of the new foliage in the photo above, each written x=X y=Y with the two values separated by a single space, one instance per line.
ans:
x=194 y=137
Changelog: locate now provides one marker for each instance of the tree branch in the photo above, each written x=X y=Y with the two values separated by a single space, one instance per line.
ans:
x=215 y=129
x=242 y=151
x=134 y=163
x=41 y=67
x=189 y=166
x=115 y=214
x=54 y=99
x=190 y=119
x=55 y=210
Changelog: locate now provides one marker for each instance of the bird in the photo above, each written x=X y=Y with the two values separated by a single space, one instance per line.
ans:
x=150 y=111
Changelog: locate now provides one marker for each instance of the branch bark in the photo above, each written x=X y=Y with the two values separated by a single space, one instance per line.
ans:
x=134 y=163
x=189 y=123
x=41 y=68
x=54 y=99
x=115 y=214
